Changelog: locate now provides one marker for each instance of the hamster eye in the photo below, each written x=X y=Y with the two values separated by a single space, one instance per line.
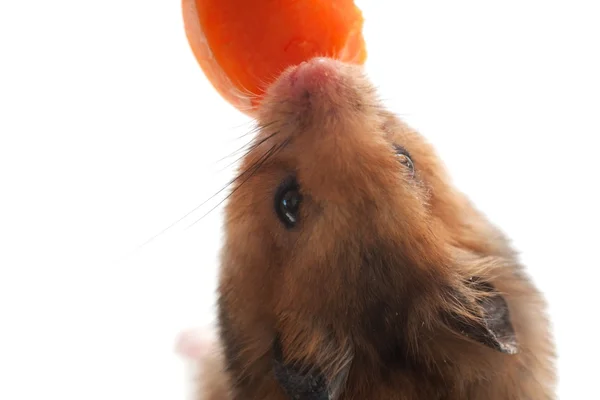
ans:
x=287 y=202
x=404 y=158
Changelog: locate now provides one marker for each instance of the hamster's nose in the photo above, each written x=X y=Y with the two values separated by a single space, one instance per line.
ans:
x=313 y=75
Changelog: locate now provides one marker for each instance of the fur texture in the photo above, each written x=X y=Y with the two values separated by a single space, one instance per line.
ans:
x=392 y=285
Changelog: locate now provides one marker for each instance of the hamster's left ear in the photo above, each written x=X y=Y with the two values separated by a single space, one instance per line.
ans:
x=486 y=319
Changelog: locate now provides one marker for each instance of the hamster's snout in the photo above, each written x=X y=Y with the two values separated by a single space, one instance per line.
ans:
x=318 y=77
x=312 y=75
x=324 y=107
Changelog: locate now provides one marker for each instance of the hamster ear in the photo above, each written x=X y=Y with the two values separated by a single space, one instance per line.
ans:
x=306 y=382
x=487 y=321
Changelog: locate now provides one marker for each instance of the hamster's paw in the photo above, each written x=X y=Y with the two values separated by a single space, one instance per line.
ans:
x=201 y=347
x=196 y=344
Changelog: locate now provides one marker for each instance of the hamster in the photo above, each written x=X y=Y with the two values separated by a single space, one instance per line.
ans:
x=353 y=269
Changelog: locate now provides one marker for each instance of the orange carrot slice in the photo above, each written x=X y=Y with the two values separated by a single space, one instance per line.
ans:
x=243 y=45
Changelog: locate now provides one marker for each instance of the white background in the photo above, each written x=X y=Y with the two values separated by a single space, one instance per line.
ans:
x=109 y=132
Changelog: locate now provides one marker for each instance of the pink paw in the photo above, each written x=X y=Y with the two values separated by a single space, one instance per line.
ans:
x=195 y=344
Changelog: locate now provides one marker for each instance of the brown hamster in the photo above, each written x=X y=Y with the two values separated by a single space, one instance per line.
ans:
x=352 y=269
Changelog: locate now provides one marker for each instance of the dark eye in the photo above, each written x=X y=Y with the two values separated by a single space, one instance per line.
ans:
x=287 y=202
x=404 y=158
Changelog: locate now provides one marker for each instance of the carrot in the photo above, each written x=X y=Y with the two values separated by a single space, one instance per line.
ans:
x=243 y=45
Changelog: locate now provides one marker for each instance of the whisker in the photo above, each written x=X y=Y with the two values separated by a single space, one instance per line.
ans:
x=251 y=131
x=246 y=153
x=271 y=152
x=259 y=127
x=252 y=145
x=242 y=125
x=213 y=196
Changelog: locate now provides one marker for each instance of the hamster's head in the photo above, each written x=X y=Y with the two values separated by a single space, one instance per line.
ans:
x=345 y=241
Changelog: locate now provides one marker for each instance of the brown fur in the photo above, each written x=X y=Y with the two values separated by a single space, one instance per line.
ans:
x=378 y=256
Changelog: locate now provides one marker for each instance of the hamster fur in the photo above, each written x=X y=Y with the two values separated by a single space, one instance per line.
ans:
x=350 y=258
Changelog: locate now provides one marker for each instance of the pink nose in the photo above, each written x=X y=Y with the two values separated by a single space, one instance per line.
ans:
x=313 y=75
